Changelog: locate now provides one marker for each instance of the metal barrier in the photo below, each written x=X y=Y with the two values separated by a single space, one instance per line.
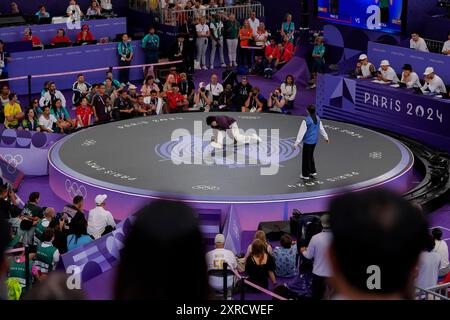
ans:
x=439 y=292
x=434 y=46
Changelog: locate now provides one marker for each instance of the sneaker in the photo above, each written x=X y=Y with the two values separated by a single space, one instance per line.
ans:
x=312 y=86
x=234 y=64
x=211 y=67
x=223 y=65
x=305 y=178
x=314 y=174
x=204 y=68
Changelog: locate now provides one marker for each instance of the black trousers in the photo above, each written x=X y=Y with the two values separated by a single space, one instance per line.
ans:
x=318 y=287
x=124 y=74
x=308 y=164
x=246 y=57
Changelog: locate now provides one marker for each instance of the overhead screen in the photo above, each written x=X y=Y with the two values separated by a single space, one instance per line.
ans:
x=380 y=15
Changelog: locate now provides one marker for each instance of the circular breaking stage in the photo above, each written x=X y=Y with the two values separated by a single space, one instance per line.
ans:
x=168 y=157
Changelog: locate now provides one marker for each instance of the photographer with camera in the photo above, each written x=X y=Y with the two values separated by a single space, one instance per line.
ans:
x=254 y=101
x=202 y=102
x=215 y=90
x=277 y=101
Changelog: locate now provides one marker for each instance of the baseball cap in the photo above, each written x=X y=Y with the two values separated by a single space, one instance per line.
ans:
x=428 y=71
x=220 y=238
x=384 y=63
x=132 y=87
x=100 y=198
x=362 y=57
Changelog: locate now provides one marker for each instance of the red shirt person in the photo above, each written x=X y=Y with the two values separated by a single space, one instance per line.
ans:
x=283 y=56
x=85 y=34
x=271 y=51
x=60 y=37
x=84 y=114
x=175 y=100
x=28 y=36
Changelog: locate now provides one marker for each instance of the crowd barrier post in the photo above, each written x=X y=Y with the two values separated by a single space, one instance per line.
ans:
x=29 y=89
x=225 y=281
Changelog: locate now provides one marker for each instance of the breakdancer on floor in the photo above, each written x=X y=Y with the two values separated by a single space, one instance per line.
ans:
x=224 y=123
x=309 y=134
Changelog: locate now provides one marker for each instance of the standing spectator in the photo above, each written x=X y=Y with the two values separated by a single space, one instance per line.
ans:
x=232 y=28
x=289 y=91
x=179 y=51
x=17 y=268
x=32 y=208
x=151 y=44
x=4 y=242
x=259 y=235
x=417 y=43
x=94 y=9
x=4 y=59
x=125 y=50
x=13 y=112
x=441 y=248
x=446 y=47
x=285 y=257
x=242 y=91
x=30 y=122
x=49 y=98
x=60 y=37
x=47 y=121
x=42 y=12
x=85 y=35
x=102 y=112
x=84 y=114
x=79 y=236
x=28 y=36
x=215 y=260
x=261 y=35
x=318 y=60
x=47 y=256
x=254 y=101
x=100 y=220
x=254 y=22
x=288 y=28
x=245 y=35
x=429 y=266
x=203 y=34
x=80 y=89
x=43 y=224
x=216 y=30
x=318 y=250
x=260 y=265
x=8 y=202
x=74 y=211
x=73 y=10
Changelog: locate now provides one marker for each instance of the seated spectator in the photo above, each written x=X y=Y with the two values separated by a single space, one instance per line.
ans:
x=173 y=71
x=73 y=10
x=285 y=257
x=84 y=114
x=284 y=55
x=4 y=59
x=110 y=88
x=60 y=37
x=140 y=107
x=215 y=90
x=261 y=35
x=417 y=43
x=85 y=35
x=51 y=96
x=30 y=122
x=13 y=112
x=187 y=87
x=148 y=86
x=276 y=101
x=42 y=12
x=227 y=100
x=123 y=106
x=364 y=69
x=47 y=121
x=400 y=230
x=4 y=96
x=170 y=81
x=255 y=101
x=102 y=112
x=80 y=89
x=94 y=9
x=441 y=248
x=15 y=9
x=176 y=102
x=92 y=93
x=446 y=47
x=433 y=82
x=429 y=266
x=409 y=77
x=229 y=77
x=215 y=260
x=132 y=93
x=260 y=235
x=155 y=103
x=79 y=236
x=47 y=256
x=63 y=121
x=45 y=88
x=289 y=91
x=241 y=92
x=260 y=265
x=288 y=45
x=386 y=73
x=28 y=36
x=116 y=83
x=202 y=102
x=270 y=52
x=318 y=60
x=35 y=106
x=43 y=224
x=100 y=220
x=17 y=268
x=259 y=66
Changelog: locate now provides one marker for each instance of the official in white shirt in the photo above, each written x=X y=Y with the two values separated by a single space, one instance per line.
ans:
x=254 y=22
x=446 y=48
x=433 y=82
x=417 y=43
x=318 y=250
x=214 y=88
x=364 y=68
x=215 y=260
x=387 y=73
x=428 y=267
x=202 y=43
x=99 y=218
x=409 y=77
x=441 y=248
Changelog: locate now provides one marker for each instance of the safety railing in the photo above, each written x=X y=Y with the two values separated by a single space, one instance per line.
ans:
x=439 y=292
x=434 y=46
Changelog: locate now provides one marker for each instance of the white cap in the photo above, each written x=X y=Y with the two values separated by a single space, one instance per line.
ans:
x=220 y=238
x=428 y=71
x=384 y=63
x=362 y=57
x=99 y=199
x=132 y=87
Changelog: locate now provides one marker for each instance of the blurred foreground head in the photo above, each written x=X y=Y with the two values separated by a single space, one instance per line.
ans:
x=163 y=256
x=376 y=229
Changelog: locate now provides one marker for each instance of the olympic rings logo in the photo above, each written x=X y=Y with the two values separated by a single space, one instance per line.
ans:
x=206 y=188
x=13 y=161
x=73 y=189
